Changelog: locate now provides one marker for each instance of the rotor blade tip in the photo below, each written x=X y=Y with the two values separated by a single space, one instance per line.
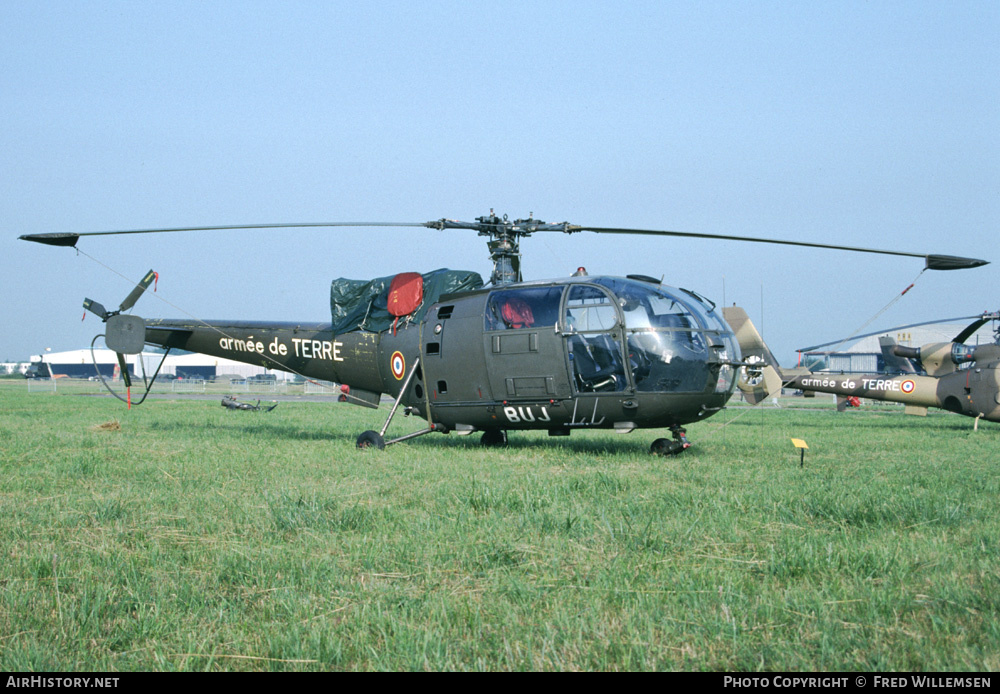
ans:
x=56 y=239
x=952 y=262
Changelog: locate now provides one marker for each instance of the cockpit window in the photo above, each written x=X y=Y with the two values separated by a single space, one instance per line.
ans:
x=532 y=307
x=675 y=343
x=649 y=306
x=589 y=309
x=668 y=313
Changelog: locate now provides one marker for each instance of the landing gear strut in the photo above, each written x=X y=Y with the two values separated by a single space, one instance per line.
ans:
x=376 y=439
x=667 y=447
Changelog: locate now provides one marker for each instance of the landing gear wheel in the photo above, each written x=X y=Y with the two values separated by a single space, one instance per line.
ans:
x=666 y=447
x=494 y=438
x=371 y=439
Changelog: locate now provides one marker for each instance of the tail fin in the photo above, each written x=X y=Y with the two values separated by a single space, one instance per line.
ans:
x=761 y=376
x=893 y=362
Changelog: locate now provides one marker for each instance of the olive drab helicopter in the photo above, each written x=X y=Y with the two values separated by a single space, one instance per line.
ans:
x=952 y=376
x=574 y=353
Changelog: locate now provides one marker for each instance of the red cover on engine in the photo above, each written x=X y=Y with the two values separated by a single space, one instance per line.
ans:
x=405 y=293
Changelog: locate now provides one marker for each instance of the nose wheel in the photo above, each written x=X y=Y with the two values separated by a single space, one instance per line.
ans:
x=666 y=447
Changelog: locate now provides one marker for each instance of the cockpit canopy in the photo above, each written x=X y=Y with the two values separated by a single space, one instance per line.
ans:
x=623 y=333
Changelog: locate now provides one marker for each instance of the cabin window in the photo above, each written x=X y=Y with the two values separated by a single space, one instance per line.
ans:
x=526 y=307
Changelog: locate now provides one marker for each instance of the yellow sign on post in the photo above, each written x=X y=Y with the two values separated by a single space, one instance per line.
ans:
x=803 y=447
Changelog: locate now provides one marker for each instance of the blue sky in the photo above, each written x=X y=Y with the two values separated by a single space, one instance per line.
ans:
x=870 y=124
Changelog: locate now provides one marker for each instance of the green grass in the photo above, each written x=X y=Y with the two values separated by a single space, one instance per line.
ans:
x=195 y=538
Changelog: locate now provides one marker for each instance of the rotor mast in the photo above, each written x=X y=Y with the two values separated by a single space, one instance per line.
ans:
x=504 y=240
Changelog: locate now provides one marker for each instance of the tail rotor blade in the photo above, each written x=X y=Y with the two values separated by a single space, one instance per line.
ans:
x=137 y=292
x=96 y=308
x=124 y=370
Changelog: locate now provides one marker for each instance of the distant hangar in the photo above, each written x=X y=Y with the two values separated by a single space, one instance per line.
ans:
x=80 y=364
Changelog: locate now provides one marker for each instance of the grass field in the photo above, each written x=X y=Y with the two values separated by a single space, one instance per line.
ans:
x=189 y=537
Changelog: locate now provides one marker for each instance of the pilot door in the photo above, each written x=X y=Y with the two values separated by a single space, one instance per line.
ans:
x=592 y=331
x=524 y=354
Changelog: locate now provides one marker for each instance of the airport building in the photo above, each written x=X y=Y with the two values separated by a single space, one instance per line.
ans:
x=13 y=367
x=81 y=364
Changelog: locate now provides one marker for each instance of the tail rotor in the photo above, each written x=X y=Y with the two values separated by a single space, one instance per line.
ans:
x=125 y=333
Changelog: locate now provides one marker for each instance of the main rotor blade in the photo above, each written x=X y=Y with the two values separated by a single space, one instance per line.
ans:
x=526 y=227
x=971 y=329
x=70 y=239
x=889 y=330
x=933 y=262
x=137 y=292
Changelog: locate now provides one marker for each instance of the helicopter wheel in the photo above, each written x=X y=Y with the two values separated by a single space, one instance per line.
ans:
x=494 y=438
x=666 y=447
x=371 y=439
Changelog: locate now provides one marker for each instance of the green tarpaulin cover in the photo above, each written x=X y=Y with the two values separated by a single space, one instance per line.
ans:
x=362 y=304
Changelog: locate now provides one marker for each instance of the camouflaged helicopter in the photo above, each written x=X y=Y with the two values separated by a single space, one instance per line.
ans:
x=953 y=376
x=573 y=353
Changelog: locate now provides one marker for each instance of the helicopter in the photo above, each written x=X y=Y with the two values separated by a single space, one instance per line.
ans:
x=572 y=353
x=953 y=376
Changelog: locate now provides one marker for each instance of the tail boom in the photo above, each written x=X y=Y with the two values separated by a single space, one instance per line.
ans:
x=918 y=391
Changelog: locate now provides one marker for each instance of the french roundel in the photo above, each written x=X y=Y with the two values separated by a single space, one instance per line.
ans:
x=907 y=386
x=398 y=365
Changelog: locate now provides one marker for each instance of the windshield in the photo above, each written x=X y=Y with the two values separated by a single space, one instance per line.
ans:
x=675 y=340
